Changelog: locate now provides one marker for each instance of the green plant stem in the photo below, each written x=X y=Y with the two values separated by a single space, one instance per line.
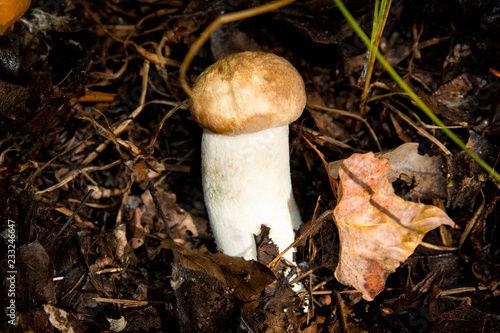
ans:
x=379 y=19
x=410 y=92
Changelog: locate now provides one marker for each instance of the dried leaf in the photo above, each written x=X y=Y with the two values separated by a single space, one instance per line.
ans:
x=378 y=230
x=203 y=303
x=117 y=325
x=458 y=98
x=466 y=318
x=422 y=174
x=58 y=318
x=266 y=249
x=226 y=40
x=423 y=296
x=182 y=225
x=467 y=177
x=245 y=278
x=34 y=274
x=139 y=232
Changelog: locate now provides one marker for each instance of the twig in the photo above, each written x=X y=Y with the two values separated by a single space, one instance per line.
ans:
x=76 y=173
x=468 y=228
x=87 y=196
x=127 y=303
x=313 y=225
x=32 y=177
x=160 y=126
x=341 y=313
x=421 y=122
x=461 y=290
x=127 y=122
x=438 y=247
x=348 y=114
x=226 y=18
x=419 y=130
x=318 y=138
x=333 y=182
x=152 y=191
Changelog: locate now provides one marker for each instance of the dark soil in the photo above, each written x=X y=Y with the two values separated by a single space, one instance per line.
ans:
x=93 y=119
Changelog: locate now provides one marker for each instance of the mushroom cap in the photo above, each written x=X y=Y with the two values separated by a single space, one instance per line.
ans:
x=247 y=92
x=12 y=11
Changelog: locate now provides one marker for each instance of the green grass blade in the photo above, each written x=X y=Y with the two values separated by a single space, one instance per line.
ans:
x=410 y=92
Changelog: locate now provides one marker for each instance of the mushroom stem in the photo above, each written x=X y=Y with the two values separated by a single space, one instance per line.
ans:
x=245 y=103
x=247 y=183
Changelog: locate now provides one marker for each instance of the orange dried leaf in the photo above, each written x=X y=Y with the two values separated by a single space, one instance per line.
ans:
x=10 y=12
x=378 y=230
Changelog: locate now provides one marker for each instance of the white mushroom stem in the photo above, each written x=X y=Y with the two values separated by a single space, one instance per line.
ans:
x=245 y=102
x=247 y=183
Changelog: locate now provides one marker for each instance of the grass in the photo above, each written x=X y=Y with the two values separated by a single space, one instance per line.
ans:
x=379 y=19
x=371 y=45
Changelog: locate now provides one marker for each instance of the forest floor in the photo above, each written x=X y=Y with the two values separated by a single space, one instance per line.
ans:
x=96 y=137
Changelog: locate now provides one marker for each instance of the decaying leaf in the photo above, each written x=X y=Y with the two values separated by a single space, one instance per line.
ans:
x=139 y=232
x=466 y=318
x=422 y=174
x=423 y=296
x=266 y=249
x=34 y=274
x=245 y=278
x=467 y=177
x=184 y=227
x=210 y=288
x=378 y=230
x=58 y=318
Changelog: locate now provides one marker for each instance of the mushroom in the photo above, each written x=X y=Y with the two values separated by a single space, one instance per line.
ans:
x=244 y=103
x=12 y=11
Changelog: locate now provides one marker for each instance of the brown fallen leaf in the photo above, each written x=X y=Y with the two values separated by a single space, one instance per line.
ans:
x=378 y=230
x=422 y=174
x=466 y=318
x=185 y=228
x=246 y=279
x=210 y=288
x=138 y=230
x=423 y=296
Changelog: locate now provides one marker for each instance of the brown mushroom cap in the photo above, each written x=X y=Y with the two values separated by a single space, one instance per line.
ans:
x=12 y=11
x=247 y=92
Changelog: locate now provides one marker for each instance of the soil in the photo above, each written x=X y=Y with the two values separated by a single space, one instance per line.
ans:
x=103 y=222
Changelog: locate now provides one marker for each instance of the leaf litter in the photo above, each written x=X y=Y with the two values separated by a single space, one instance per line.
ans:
x=106 y=112
x=378 y=230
